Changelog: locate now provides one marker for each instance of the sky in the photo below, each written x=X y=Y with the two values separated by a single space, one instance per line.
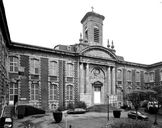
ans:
x=135 y=26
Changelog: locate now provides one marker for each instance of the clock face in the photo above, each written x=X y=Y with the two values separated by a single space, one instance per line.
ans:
x=96 y=72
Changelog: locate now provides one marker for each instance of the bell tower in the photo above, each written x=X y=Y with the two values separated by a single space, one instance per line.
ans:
x=92 y=28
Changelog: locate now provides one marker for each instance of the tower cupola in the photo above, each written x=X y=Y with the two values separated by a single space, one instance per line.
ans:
x=92 y=28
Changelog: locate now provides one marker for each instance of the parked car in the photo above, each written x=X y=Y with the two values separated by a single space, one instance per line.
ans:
x=152 y=104
x=6 y=120
x=132 y=114
x=76 y=111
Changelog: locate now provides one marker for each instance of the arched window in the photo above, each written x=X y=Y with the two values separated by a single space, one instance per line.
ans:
x=86 y=33
x=70 y=70
x=119 y=75
x=129 y=75
x=34 y=92
x=69 y=92
x=137 y=76
x=13 y=64
x=161 y=75
x=53 y=68
x=146 y=76
x=34 y=66
x=53 y=92
x=151 y=76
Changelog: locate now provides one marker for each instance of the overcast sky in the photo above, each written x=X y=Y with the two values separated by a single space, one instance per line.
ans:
x=135 y=26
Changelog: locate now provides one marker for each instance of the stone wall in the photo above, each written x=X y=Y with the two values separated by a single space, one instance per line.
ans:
x=3 y=72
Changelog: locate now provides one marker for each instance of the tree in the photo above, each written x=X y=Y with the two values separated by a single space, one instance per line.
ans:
x=136 y=96
x=156 y=97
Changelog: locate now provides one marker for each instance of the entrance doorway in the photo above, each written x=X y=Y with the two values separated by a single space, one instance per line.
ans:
x=97 y=92
x=97 y=95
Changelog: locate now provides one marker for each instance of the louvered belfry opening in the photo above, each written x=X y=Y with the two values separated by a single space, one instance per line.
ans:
x=96 y=34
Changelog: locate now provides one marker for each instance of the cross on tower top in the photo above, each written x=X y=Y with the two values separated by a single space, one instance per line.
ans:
x=92 y=8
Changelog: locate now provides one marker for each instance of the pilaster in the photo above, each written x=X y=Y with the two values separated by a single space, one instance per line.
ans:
x=81 y=78
x=87 y=78
x=109 y=81
x=113 y=81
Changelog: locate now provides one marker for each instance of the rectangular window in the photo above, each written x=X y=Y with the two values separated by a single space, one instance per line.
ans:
x=53 y=92
x=69 y=93
x=34 y=92
x=13 y=90
x=13 y=64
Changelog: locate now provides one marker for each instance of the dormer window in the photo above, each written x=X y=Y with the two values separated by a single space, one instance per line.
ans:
x=96 y=34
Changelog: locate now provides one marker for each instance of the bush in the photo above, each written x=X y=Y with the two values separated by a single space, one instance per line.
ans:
x=124 y=106
x=70 y=106
x=129 y=123
x=80 y=104
x=60 y=108
x=144 y=103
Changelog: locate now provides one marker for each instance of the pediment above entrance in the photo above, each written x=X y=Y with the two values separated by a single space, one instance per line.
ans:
x=97 y=84
x=99 y=52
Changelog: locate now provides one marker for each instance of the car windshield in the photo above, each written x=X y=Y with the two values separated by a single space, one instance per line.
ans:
x=139 y=113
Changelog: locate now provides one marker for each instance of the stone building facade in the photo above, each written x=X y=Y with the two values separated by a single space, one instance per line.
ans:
x=4 y=40
x=86 y=71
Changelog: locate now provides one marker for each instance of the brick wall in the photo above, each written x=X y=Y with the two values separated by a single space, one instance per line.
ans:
x=124 y=85
x=142 y=79
x=61 y=83
x=157 y=76
x=133 y=78
x=44 y=83
x=3 y=72
x=24 y=86
x=76 y=81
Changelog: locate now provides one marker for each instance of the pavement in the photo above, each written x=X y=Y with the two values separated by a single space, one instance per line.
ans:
x=47 y=120
x=87 y=120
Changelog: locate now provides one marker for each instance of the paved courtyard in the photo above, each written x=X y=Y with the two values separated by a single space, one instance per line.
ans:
x=88 y=120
